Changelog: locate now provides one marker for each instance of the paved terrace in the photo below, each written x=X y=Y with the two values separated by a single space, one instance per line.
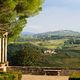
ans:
x=44 y=77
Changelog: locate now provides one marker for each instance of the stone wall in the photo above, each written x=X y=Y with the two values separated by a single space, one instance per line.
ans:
x=41 y=70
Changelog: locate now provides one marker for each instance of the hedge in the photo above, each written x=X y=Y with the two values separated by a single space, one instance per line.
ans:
x=75 y=75
x=74 y=78
x=10 y=76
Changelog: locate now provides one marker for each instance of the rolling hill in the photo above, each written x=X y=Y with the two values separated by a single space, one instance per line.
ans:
x=61 y=33
x=58 y=33
x=66 y=44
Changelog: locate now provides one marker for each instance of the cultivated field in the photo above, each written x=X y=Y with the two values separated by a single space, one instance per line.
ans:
x=51 y=44
x=44 y=77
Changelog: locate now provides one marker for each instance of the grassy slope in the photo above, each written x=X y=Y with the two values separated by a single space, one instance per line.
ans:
x=66 y=57
x=51 y=44
x=69 y=56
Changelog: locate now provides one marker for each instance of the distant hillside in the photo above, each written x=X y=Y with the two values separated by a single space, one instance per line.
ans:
x=61 y=33
x=26 y=34
x=51 y=35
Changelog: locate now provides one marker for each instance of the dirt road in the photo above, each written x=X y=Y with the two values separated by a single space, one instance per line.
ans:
x=44 y=77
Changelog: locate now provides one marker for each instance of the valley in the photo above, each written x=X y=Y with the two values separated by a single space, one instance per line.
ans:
x=61 y=49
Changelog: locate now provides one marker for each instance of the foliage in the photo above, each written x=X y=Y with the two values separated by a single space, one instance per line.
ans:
x=75 y=76
x=54 y=35
x=26 y=54
x=51 y=44
x=14 y=14
x=10 y=76
x=72 y=41
x=68 y=55
x=67 y=52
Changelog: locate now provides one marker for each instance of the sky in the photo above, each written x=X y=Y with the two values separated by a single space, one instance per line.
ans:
x=56 y=15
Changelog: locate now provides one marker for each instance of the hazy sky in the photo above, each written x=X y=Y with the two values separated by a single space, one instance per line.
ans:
x=56 y=15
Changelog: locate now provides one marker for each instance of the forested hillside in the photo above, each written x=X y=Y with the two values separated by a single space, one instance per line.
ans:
x=51 y=35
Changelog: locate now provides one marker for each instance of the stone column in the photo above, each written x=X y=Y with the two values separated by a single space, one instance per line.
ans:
x=3 y=43
x=6 y=49
x=58 y=73
x=0 y=50
x=3 y=47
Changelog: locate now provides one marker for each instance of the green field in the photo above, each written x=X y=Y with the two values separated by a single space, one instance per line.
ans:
x=51 y=44
x=68 y=54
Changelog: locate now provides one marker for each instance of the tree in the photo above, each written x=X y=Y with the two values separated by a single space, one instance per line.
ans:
x=14 y=14
x=26 y=54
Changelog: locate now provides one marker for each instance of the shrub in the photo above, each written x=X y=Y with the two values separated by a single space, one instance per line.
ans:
x=75 y=76
x=10 y=76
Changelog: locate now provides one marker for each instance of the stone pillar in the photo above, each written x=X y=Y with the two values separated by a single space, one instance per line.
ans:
x=3 y=50
x=3 y=53
x=3 y=47
x=6 y=49
x=58 y=73
x=0 y=50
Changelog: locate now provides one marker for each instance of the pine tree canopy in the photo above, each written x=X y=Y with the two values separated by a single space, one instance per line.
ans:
x=14 y=14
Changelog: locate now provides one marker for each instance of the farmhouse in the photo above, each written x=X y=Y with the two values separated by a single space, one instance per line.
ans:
x=50 y=51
